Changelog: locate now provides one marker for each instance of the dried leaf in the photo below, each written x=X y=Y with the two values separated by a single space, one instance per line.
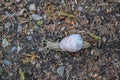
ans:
x=67 y=20
x=95 y=36
x=4 y=17
x=66 y=14
x=21 y=12
x=73 y=22
x=22 y=74
x=1 y=55
x=33 y=56
x=27 y=60
x=40 y=22
x=30 y=58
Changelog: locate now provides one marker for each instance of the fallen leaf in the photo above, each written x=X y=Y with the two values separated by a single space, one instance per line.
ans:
x=95 y=36
x=22 y=74
x=73 y=22
x=66 y=14
x=40 y=22
x=21 y=12
x=30 y=58
x=27 y=60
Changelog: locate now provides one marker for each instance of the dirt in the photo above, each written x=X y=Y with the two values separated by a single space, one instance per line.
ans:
x=23 y=55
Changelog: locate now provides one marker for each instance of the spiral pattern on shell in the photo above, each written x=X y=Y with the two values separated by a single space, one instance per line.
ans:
x=72 y=43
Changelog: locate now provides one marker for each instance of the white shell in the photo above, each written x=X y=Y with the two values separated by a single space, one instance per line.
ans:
x=72 y=43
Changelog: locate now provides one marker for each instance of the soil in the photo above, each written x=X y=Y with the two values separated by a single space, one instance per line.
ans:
x=23 y=55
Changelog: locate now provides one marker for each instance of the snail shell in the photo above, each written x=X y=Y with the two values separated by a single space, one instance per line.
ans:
x=72 y=43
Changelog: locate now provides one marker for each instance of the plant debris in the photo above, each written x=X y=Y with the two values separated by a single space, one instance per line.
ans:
x=22 y=75
x=30 y=58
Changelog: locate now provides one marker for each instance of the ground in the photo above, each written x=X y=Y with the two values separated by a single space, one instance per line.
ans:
x=24 y=24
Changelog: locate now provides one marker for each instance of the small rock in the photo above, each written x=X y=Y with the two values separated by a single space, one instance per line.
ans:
x=10 y=74
x=45 y=17
x=33 y=62
x=1 y=28
x=80 y=8
x=13 y=48
x=7 y=62
x=63 y=1
x=18 y=0
x=57 y=56
x=36 y=17
x=19 y=28
x=36 y=27
x=32 y=7
x=7 y=24
x=40 y=49
x=38 y=65
x=18 y=49
x=8 y=14
x=117 y=64
x=95 y=52
x=29 y=37
x=1 y=71
x=104 y=39
x=60 y=70
x=5 y=42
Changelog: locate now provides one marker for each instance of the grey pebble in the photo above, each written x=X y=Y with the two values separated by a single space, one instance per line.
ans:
x=80 y=8
x=36 y=17
x=5 y=42
x=29 y=37
x=13 y=48
x=60 y=70
x=1 y=70
x=7 y=24
x=7 y=62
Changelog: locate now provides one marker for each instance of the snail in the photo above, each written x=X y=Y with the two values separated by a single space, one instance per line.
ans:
x=72 y=43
